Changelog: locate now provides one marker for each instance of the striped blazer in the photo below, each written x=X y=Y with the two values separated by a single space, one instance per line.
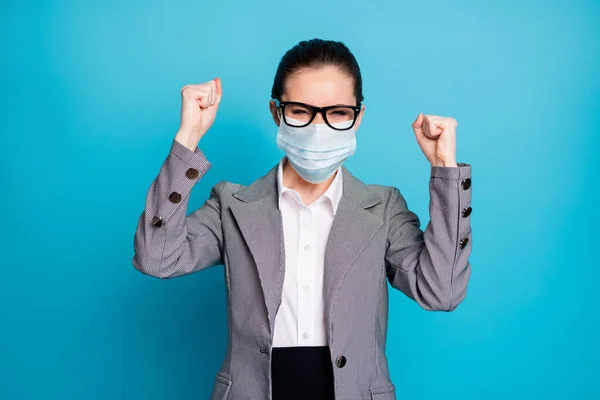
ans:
x=374 y=239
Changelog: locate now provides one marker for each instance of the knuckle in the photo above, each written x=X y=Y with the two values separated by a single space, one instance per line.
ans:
x=187 y=89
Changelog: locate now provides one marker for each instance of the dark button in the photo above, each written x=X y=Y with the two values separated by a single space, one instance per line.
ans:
x=467 y=211
x=192 y=173
x=463 y=242
x=157 y=221
x=264 y=351
x=340 y=361
x=466 y=183
x=175 y=197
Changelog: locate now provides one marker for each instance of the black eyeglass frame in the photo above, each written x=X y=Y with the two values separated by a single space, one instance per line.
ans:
x=315 y=110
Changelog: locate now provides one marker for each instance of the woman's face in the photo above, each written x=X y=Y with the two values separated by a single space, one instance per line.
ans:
x=324 y=86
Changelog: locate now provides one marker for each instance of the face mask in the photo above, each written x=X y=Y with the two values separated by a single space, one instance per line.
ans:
x=316 y=151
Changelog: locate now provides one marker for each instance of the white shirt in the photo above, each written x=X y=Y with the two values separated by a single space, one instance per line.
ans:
x=300 y=320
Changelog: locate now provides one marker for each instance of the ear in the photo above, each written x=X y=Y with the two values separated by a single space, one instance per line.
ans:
x=274 y=114
x=359 y=118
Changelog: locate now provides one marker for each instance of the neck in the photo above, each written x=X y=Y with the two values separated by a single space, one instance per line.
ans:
x=308 y=191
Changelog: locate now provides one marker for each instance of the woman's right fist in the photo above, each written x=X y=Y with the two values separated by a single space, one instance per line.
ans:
x=199 y=104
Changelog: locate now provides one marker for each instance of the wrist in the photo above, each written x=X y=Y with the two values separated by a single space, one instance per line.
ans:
x=449 y=164
x=187 y=139
x=443 y=163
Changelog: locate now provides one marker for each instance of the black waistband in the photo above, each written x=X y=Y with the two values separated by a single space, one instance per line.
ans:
x=302 y=372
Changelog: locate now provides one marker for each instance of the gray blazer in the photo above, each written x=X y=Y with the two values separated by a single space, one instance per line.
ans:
x=374 y=239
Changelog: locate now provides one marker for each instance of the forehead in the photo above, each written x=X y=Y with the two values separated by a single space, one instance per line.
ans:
x=322 y=86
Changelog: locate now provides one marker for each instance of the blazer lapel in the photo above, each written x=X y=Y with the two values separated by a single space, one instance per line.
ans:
x=260 y=223
x=352 y=229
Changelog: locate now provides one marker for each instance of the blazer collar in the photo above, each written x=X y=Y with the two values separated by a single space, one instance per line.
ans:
x=332 y=194
x=354 y=189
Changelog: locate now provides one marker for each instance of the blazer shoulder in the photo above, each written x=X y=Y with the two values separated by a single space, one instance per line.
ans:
x=386 y=192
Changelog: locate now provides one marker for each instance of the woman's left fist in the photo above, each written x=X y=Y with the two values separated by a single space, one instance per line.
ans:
x=437 y=138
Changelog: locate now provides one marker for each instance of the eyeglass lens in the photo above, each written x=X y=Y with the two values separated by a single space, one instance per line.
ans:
x=299 y=115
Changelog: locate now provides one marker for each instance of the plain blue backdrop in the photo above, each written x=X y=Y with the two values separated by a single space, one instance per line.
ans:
x=90 y=104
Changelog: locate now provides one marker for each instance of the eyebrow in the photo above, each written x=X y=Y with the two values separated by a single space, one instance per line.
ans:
x=312 y=105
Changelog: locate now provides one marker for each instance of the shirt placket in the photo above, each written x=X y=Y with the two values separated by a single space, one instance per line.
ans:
x=305 y=273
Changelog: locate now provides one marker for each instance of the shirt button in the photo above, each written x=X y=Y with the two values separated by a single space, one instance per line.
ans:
x=306 y=247
x=305 y=287
x=305 y=335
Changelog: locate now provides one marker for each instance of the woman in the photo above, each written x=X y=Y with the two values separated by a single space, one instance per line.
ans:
x=308 y=248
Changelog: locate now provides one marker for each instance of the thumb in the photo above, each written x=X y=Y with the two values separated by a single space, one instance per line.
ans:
x=417 y=125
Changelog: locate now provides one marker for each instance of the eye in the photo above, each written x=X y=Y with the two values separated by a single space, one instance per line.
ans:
x=340 y=113
x=299 y=111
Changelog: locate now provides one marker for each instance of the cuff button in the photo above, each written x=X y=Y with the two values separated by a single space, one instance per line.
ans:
x=466 y=212
x=466 y=183
x=463 y=242
x=157 y=221
x=175 y=197
x=192 y=173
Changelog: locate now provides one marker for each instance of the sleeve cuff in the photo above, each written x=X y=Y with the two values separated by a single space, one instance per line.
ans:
x=461 y=171
x=195 y=158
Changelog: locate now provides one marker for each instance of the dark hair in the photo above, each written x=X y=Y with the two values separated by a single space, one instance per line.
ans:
x=316 y=53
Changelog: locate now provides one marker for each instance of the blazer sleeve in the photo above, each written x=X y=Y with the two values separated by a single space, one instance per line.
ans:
x=167 y=243
x=432 y=267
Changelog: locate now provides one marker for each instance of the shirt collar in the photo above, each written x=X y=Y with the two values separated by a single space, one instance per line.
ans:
x=333 y=192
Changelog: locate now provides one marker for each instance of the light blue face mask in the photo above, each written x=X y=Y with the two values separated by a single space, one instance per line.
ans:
x=316 y=151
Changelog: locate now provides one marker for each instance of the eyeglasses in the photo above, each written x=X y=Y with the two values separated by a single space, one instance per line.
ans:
x=338 y=117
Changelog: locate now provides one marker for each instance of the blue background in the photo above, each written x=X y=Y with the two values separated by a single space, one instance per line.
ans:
x=90 y=104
